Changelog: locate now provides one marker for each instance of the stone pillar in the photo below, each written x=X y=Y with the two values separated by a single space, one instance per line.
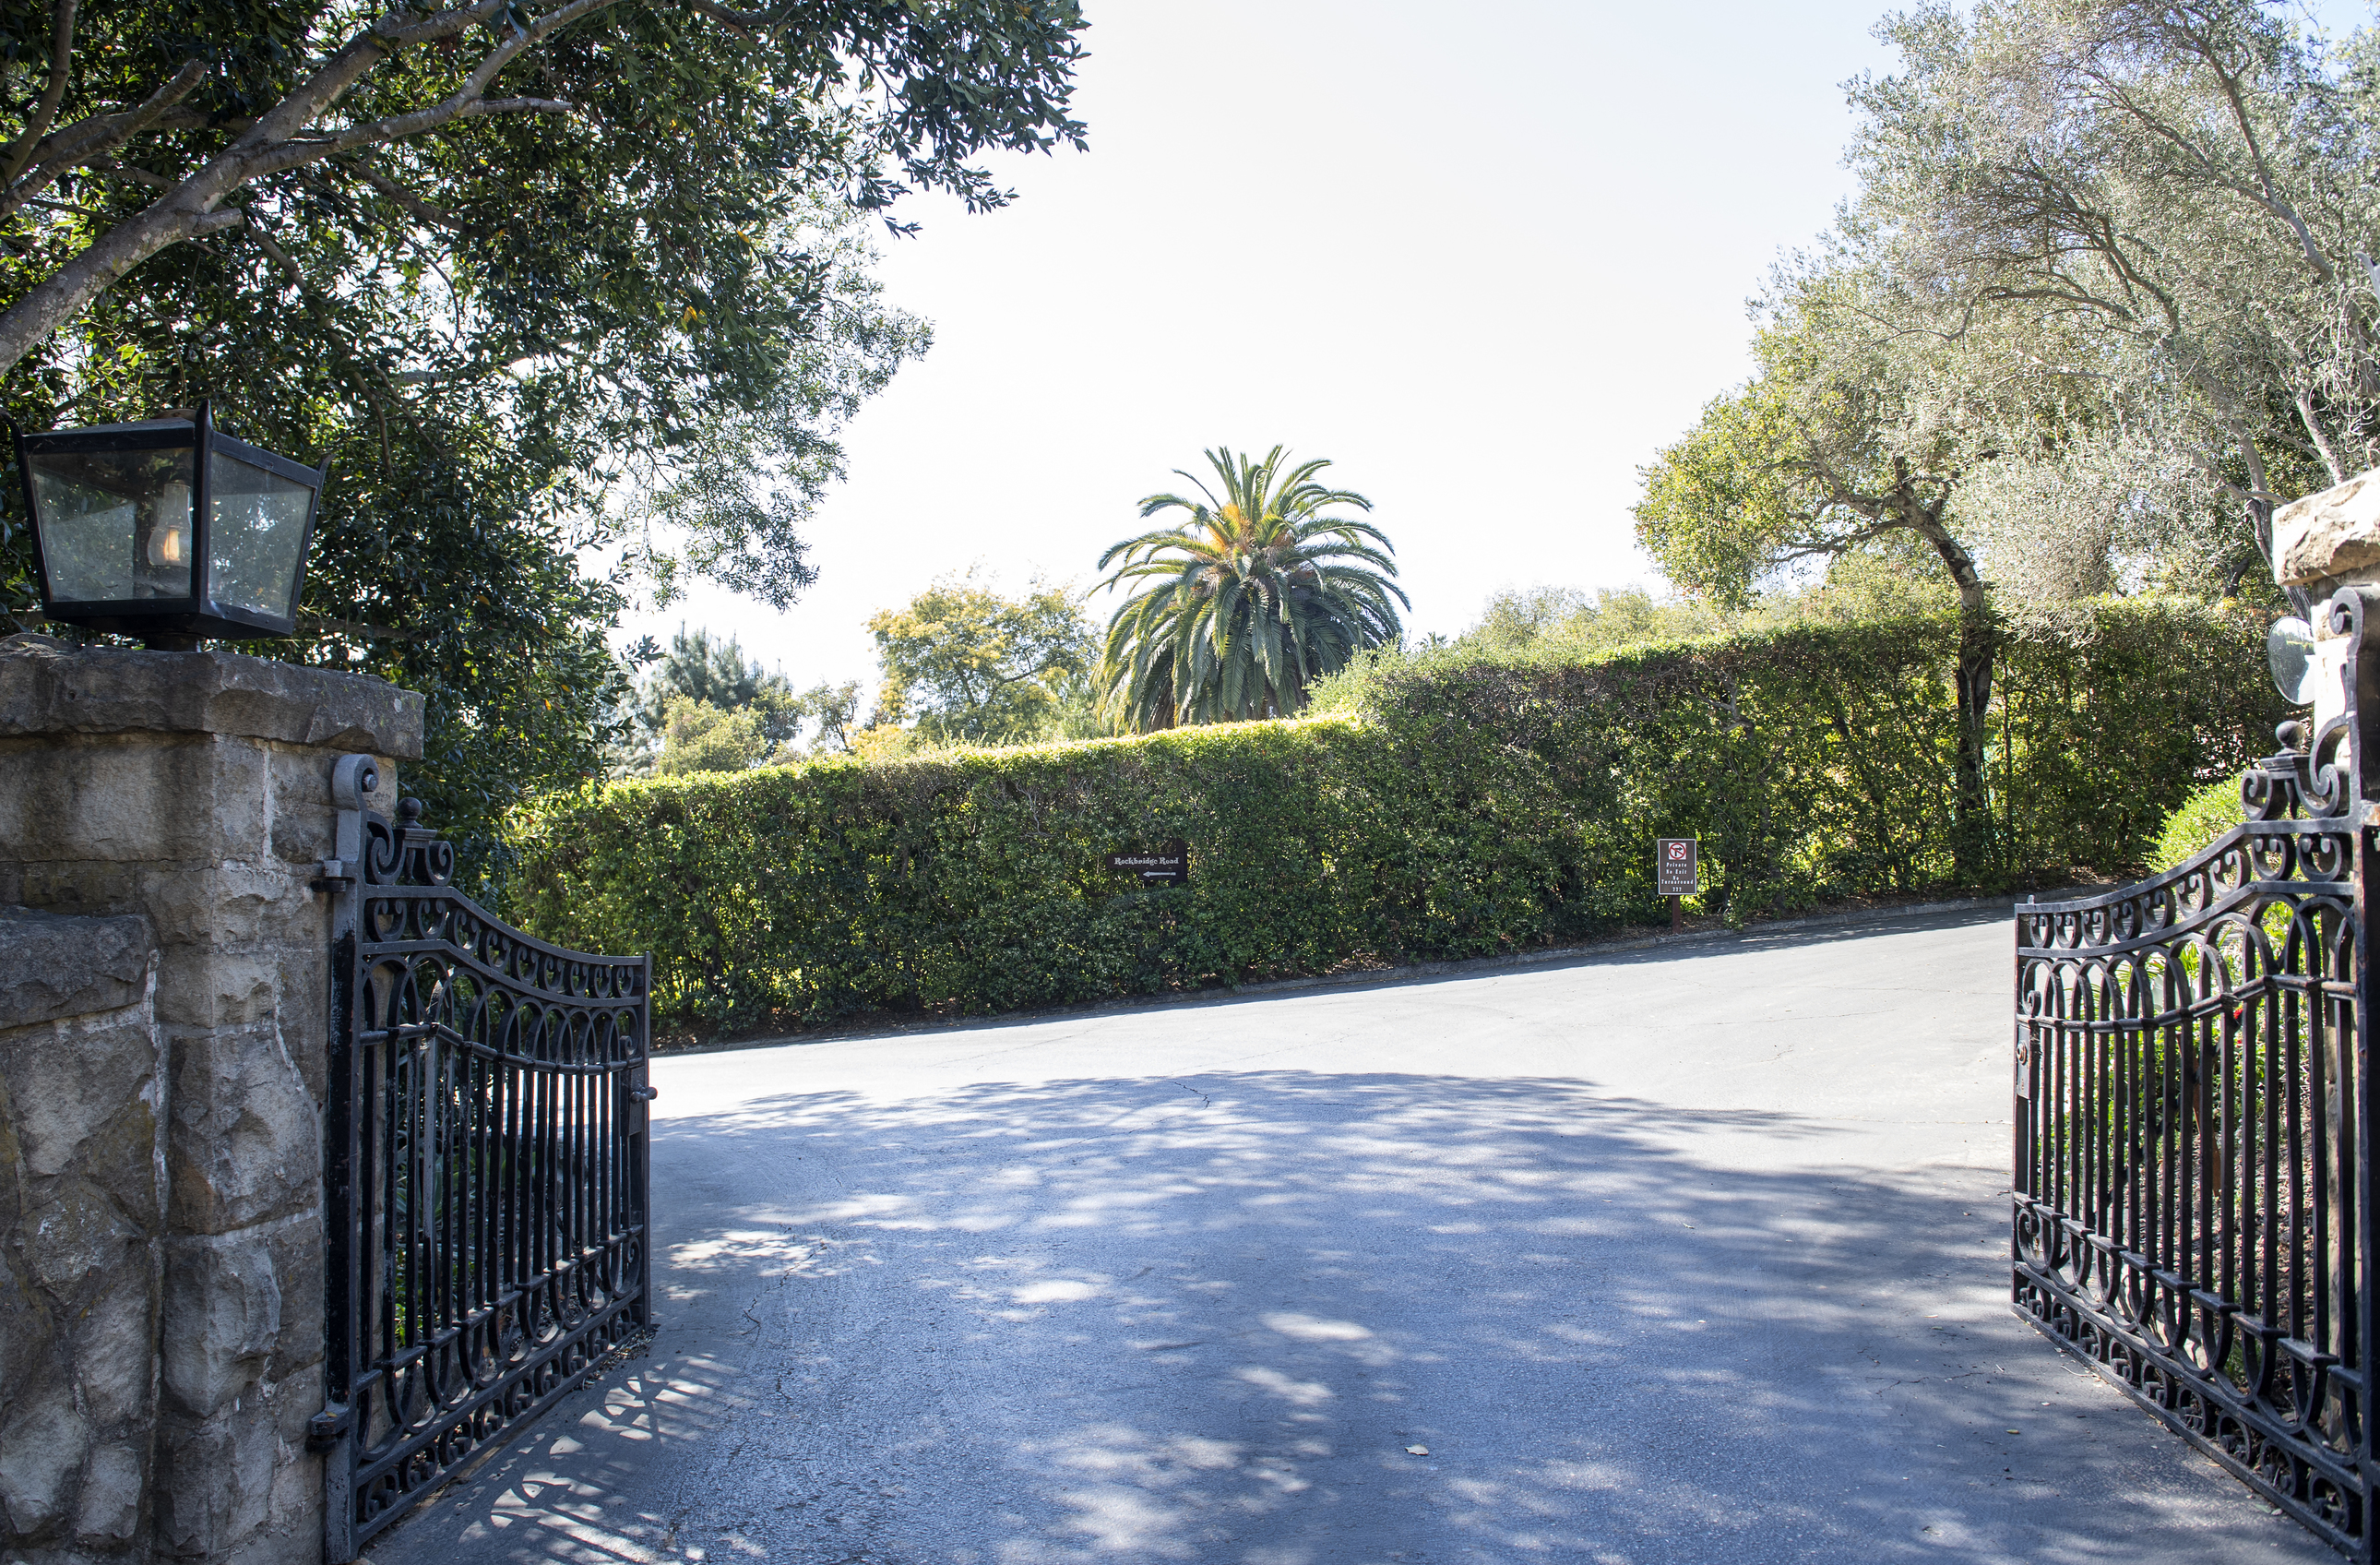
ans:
x=83 y=1234
x=194 y=789
x=2324 y=542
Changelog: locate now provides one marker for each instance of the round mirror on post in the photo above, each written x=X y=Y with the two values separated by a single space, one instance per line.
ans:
x=2288 y=647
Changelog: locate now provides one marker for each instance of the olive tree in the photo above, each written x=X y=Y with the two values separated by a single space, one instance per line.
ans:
x=2168 y=206
x=1838 y=444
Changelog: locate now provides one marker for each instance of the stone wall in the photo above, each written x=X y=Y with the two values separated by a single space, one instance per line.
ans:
x=82 y=1234
x=193 y=789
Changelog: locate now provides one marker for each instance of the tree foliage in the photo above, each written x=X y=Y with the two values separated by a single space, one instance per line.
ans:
x=1835 y=446
x=2103 y=297
x=964 y=665
x=549 y=285
x=1238 y=610
x=2107 y=277
x=700 y=737
x=708 y=708
x=705 y=670
x=591 y=170
x=2185 y=188
x=1516 y=617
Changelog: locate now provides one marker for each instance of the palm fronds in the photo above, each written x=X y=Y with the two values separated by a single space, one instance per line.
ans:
x=1239 y=608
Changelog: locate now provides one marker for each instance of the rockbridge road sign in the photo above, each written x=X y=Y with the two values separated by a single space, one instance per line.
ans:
x=1677 y=867
x=1168 y=865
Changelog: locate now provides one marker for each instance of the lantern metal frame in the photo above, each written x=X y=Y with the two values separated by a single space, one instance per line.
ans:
x=176 y=624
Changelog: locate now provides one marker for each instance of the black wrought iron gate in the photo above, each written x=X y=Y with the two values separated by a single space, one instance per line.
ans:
x=487 y=1178
x=2194 y=1177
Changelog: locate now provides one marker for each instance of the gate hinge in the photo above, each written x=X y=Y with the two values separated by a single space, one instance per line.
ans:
x=327 y=1427
x=331 y=873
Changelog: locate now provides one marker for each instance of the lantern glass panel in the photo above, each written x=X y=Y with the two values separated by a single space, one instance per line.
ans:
x=256 y=535
x=116 y=525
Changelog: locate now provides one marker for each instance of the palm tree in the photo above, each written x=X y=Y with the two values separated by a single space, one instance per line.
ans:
x=1249 y=602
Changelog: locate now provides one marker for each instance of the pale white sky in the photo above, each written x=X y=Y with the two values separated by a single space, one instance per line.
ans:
x=1487 y=257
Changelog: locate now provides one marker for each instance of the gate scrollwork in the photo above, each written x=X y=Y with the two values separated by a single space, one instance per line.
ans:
x=2191 y=1179
x=488 y=1183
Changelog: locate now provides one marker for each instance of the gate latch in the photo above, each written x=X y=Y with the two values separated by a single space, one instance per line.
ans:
x=644 y=1095
x=327 y=1427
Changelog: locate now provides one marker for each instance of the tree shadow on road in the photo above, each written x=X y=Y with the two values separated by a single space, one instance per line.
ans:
x=1207 y=1318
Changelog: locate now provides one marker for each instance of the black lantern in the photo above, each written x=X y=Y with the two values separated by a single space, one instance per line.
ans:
x=169 y=529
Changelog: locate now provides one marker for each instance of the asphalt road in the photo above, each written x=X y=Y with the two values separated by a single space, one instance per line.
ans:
x=1680 y=1256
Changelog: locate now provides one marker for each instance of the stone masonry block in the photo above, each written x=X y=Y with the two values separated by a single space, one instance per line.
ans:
x=192 y=790
x=52 y=967
x=2333 y=534
x=305 y=1013
x=283 y=986
x=241 y=904
x=77 y=886
x=43 y=1447
x=28 y=1330
x=245 y=1143
x=95 y=1086
x=222 y=986
x=73 y=1237
x=214 y=1483
x=302 y=815
x=125 y=1157
x=241 y=1485
x=134 y=797
x=82 y=1220
x=30 y=1354
x=223 y=1320
x=297 y=1397
x=292 y=1534
x=108 y=1511
x=49 y=689
x=296 y=1248
x=113 y=1341
x=302 y=818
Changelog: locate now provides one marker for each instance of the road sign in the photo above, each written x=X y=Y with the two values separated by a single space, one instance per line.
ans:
x=1168 y=865
x=1677 y=867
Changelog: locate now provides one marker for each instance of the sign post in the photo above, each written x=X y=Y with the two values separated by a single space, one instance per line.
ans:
x=1168 y=865
x=1677 y=874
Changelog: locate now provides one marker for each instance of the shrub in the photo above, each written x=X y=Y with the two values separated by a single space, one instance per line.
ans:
x=2204 y=816
x=1449 y=805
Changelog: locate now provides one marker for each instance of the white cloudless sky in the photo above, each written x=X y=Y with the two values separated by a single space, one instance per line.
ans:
x=1487 y=257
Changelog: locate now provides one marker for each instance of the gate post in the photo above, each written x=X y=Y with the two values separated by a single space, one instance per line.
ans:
x=195 y=788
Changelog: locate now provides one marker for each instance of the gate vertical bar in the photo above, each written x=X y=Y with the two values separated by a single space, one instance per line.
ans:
x=640 y=1184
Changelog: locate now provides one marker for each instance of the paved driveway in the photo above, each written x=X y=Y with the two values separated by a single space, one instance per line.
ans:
x=1686 y=1254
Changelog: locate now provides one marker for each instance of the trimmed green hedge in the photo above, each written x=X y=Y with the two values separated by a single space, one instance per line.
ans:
x=1455 y=806
x=2192 y=829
